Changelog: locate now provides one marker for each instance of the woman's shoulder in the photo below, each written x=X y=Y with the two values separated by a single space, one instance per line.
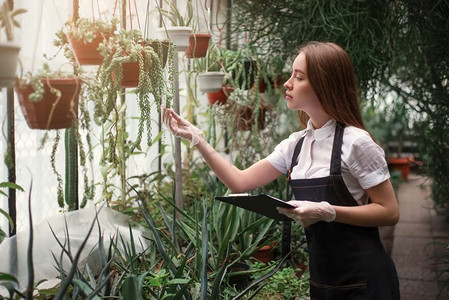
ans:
x=356 y=136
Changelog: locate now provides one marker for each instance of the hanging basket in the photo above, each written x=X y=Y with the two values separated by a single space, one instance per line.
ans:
x=9 y=53
x=179 y=35
x=198 y=45
x=51 y=112
x=131 y=70
x=87 y=53
x=210 y=81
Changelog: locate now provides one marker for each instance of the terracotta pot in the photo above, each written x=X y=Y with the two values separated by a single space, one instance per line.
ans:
x=9 y=53
x=198 y=45
x=244 y=118
x=401 y=164
x=87 y=53
x=219 y=97
x=131 y=70
x=265 y=254
x=42 y=114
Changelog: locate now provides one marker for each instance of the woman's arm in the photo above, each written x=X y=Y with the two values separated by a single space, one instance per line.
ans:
x=382 y=211
x=238 y=181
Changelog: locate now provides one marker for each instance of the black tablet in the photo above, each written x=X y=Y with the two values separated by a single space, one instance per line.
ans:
x=262 y=204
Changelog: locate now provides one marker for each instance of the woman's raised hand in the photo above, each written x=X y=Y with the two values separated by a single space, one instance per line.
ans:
x=180 y=127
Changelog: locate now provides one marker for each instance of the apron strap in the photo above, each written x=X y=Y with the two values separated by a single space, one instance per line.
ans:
x=287 y=226
x=336 y=149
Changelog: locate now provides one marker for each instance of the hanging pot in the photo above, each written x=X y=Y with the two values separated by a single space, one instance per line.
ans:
x=179 y=35
x=221 y=96
x=9 y=53
x=51 y=112
x=210 y=81
x=131 y=70
x=198 y=45
x=87 y=53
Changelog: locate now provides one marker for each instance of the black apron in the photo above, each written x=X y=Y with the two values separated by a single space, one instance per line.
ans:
x=345 y=262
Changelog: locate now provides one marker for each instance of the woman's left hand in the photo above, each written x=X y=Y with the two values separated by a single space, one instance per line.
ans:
x=308 y=212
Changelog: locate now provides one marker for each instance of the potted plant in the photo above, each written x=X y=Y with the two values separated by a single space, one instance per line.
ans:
x=198 y=45
x=209 y=70
x=48 y=100
x=9 y=50
x=180 y=30
x=127 y=53
x=83 y=36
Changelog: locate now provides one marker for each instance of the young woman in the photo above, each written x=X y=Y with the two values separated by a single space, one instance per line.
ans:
x=337 y=173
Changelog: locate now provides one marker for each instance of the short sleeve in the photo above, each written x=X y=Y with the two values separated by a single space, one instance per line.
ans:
x=281 y=156
x=366 y=162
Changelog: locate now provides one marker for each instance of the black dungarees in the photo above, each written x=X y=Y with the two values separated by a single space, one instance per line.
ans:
x=345 y=262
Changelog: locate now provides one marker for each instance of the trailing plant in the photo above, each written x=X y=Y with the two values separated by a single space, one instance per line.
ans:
x=126 y=47
x=81 y=121
x=83 y=30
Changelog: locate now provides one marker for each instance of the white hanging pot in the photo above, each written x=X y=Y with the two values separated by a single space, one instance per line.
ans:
x=209 y=82
x=179 y=35
x=9 y=53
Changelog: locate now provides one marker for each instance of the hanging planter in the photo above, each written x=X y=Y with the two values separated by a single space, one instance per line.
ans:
x=179 y=35
x=210 y=81
x=219 y=97
x=9 y=53
x=58 y=104
x=131 y=70
x=198 y=45
x=84 y=36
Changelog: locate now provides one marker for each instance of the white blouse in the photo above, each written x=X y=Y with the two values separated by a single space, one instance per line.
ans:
x=363 y=161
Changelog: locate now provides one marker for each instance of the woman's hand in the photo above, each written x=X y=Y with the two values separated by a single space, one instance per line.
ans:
x=308 y=212
x=180 y=127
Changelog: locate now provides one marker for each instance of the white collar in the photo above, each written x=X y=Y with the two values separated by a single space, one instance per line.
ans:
x=321 y=133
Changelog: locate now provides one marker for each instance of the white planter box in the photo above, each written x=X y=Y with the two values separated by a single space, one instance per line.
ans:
x=209 y=82
x=180 y=36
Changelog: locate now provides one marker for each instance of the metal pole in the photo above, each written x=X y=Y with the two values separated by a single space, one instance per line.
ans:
x=178 y=161
x=11 y=148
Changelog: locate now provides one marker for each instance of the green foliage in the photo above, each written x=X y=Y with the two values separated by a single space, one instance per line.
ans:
x=175 y=16
x=286 y=284
x=127 y=47
x=84 y=30
x=8 y=185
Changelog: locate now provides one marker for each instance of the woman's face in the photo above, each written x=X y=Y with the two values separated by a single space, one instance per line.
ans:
x=299 y=94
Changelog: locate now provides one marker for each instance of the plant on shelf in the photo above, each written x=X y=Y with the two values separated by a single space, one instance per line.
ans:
x=128 y=54
x=83 y=36
x=9 y=51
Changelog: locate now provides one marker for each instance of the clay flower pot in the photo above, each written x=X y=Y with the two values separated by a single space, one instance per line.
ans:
x=198 y=45
x=51 y=112
x=220 y=97
x=87 y=53
x=401 y=164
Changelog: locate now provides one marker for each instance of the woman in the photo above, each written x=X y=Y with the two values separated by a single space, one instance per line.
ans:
x=338 y=175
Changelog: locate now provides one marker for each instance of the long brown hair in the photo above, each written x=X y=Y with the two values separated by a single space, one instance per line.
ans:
x=331 y=75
